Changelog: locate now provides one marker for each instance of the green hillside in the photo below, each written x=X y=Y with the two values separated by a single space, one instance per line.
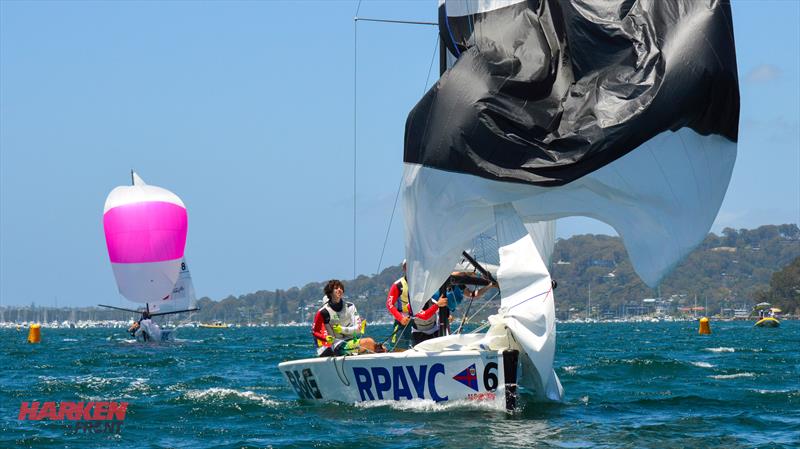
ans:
x=733 y=270
x=729 y=270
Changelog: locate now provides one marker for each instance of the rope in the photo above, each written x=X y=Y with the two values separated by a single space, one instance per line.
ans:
x=466 y=312
x=532 y=297
x=395 y=332
x=344 y=379
x=488 y=301
x=515 y=305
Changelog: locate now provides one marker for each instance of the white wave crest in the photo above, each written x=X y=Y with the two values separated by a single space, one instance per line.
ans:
x=702 y=364
x=732 y=376
x=228 y=393
x=771 y=391
x=428 y=405
x=720 y=349
x=89 y=382
x=139 y=384
x=570 y=369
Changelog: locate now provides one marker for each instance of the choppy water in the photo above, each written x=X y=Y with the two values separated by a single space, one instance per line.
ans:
x=627 y=385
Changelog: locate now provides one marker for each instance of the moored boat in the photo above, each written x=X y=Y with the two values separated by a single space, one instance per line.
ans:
x=214 y=325
x=767 y=315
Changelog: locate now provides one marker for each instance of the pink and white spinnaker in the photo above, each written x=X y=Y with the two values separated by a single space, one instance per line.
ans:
x=145 y=229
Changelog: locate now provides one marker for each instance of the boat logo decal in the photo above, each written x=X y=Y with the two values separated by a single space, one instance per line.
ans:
x=304 y=385
x=468 y=377
x=399 y=382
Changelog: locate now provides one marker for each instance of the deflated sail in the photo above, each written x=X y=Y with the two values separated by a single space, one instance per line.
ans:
x=527 y=307
x=145 y=228
x=626 y=112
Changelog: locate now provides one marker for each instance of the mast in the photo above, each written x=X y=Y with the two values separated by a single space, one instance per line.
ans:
x=442 y=56
x=589 y=311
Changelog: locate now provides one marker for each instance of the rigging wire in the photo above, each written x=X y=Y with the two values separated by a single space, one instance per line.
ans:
x=400 y=184
x=356 y=19
x=404 y=22
x=486 y=303
x=355 y=125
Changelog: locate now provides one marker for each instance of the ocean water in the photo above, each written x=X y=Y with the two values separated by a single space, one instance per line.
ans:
x=626 y=385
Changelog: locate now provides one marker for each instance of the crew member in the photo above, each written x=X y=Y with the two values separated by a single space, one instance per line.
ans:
x=410 y=327
x=337 y=328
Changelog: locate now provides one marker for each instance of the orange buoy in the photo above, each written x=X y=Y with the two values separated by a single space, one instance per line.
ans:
x=705 y=326
x=34 y=333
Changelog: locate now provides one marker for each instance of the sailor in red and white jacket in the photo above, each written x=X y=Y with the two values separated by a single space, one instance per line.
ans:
x=336 y=324
x=425 y=323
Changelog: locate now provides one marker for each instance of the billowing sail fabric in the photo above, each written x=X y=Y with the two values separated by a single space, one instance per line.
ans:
x=622 y=111
x=145 y=228
x=527 y=306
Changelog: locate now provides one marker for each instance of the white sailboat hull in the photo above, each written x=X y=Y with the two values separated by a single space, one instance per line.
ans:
x=488 y=376
x=151 y=332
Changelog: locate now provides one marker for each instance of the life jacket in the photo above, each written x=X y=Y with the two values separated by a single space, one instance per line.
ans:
x=405 y=306
x=347 y=317
x=428 y=326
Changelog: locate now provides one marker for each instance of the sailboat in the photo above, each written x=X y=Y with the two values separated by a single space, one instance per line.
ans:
x=145 y=228
x=626 y=112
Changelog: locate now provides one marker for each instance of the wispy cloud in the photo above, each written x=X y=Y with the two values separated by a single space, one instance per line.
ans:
x=763 y=73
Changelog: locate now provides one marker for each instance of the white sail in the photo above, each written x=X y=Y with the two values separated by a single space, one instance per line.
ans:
x=182 y=296
x=527 y=306
x=661 y=201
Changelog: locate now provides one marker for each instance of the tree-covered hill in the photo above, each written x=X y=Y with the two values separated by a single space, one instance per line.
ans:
x=729 y=270
x=738 y=268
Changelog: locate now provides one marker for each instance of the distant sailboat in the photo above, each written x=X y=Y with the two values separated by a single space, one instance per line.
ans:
x=145 y=228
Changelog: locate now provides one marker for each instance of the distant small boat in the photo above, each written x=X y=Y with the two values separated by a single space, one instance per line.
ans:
x=215 y=325
x=766 y=315
x=768 y=322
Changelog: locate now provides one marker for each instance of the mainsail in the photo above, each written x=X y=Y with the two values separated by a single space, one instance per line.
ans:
x=145 y=228
x=626 y=112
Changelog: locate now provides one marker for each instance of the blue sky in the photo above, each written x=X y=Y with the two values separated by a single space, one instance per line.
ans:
x=245 y=110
